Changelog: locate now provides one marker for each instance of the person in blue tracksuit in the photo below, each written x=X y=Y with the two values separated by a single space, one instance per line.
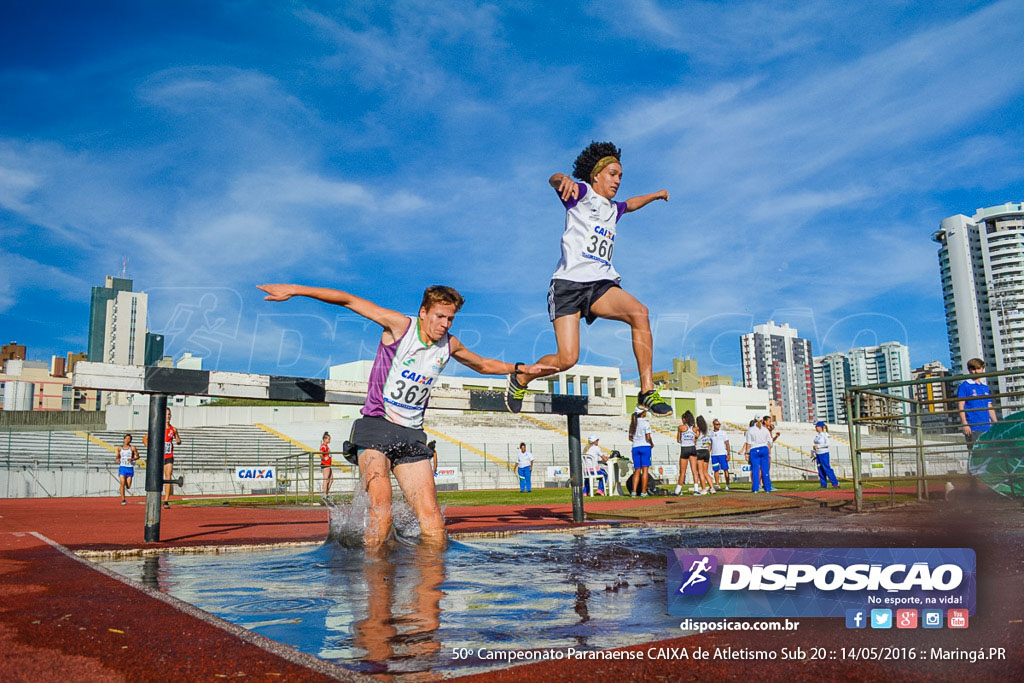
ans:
x=820 y=455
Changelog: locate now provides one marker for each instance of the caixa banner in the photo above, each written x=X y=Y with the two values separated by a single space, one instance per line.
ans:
x=816 y=582
x=258 y=473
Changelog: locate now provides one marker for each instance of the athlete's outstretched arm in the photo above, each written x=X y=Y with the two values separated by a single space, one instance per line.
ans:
x=634 y=203
x=491 y=366
x=393 y=321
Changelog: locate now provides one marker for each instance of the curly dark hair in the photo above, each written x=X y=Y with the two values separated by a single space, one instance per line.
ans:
x=589 y=157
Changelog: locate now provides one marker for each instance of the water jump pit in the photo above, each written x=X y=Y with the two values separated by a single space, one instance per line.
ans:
x=413 y=612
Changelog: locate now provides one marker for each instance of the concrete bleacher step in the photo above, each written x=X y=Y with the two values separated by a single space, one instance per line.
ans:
x=202 y=447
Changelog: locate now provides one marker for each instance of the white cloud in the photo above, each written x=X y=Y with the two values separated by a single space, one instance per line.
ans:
x=21 y=273
x=840 y=123
x=755 y=32
x=15 y=184
x=268 y=188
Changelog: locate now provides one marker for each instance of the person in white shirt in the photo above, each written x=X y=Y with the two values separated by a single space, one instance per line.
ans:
x=592 y=459
x=640 y=435
x=720 y=453
x=686 y=438
x=703 y=457
x=585 y=285
x=524 y=461
x=757 y=448
x=820 y=451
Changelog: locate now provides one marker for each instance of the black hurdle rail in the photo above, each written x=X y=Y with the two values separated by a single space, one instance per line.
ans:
x=161 y=382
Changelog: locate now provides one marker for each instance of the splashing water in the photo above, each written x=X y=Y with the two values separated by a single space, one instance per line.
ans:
x=348 y=521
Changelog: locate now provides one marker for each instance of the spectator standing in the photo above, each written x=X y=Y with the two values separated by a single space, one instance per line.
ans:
x=686 y=438
x=821 y=457
x=325 y=462
x=720 y=453
x=640 y=436
x=756 y=447
x=976 y=413
x=702 y=457
x=524 y=462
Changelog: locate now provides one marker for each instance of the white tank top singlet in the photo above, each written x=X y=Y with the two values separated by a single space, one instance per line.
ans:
x=402 y=376
x=589 y=237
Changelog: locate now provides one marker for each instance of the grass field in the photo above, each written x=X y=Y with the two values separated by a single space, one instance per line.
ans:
x=543 y=496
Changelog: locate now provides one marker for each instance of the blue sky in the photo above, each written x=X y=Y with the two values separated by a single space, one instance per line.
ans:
x=810 y=150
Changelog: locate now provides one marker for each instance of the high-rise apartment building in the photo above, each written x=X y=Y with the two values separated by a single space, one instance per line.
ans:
x=117 y=329
x=834 y=372
x=116 y=317
x=776 y=359
x=831 y=377
x=981 y=264
x=124 y=339
x=101 y=296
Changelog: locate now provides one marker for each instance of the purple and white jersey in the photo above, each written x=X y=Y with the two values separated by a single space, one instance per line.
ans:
x=589 y=237
x=402 y=376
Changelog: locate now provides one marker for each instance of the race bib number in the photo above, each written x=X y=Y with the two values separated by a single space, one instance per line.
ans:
x=600 y=248
x=407 y=394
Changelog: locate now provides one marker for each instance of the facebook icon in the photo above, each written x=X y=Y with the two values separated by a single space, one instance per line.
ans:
x=856 y=618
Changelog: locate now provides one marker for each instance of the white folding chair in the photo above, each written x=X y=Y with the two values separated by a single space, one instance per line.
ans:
x=590 y=473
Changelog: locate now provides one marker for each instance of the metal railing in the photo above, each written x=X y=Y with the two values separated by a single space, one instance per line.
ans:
x=56 y=451
x=906 y=440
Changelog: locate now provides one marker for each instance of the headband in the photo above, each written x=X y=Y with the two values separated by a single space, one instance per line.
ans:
x=602 y=164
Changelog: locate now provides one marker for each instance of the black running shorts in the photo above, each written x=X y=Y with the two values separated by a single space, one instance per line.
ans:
x=400 y=444
x=566 y=297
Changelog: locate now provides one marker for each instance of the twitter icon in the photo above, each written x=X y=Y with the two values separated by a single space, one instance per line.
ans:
x=881 y=618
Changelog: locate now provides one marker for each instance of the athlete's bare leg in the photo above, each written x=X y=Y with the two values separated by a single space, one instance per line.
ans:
x=567 y=337
x=615 y=304
x=168 y=471
x=375 y=475
x=684 y=463
x=618 y=304
x=416 y=480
